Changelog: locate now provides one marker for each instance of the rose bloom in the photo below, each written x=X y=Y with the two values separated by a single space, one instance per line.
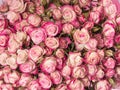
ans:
x=92 y=69
x=92 y=57
x=34 y=20
x=7 y=87
x=77 y=9
x=75 y=85
x=60 y=53
x=67 y=28
x=59 y=63
x=109 y=42
x=88 y=25
x=117 y=39
x=27 y=67
x=110 y=73
x=56 y=77
x=79 y=72
x=57 y=14
x=74 y=59
x=51 y=28
x=38 y=35
x=49 y=64
x=35 y=53
x=68 y=13
x=79 y=46
x=52 y=42
x=45 y=81
x=109 y=63
x=3 y=58
x=86 y=82
x=84 y=3
x=61 y=87
x=100 y=73
x=81 y=36
x=102 y=85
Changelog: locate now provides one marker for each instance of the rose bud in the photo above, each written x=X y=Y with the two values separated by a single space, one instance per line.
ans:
x=100 y=73
x=7 y=87
x=86 y=82
x=92 y=69
x=74 y=59
x=102 y=85
x=52 y=42
x=35 y=53
x=3 y=58
x=13 y=16
x=61 y=87
x=24 y=79
x=64 y=42
x=65 y=1
x=59 y=63
x=48 y=65
x=34 y=20
x=92 y=57
x=45 y=81
x=76 y=85
x=110 y=73
x=40 y=10
x=34 y=85
x=56 y=77
x=66 y=72
x=68 y=13
x=22 y=56
x=27 y=67
x=57 y=14
x=59 y=53
x=109 y=63
x=51 y=28
x=77 y=9
x=12 y=61
x=88 y=25
x=67 y=28
x=91 y=44
x=81 y=36
x=38 y=35
x=79 y=72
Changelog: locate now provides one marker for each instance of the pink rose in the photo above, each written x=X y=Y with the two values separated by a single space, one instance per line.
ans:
x=38 y=35
x=86 y=82
x=3 y=57
x=56 y=77
x=92 y=57
x=117 y=56
x=59 y=63
x=61 y=87
x=2 y=49
x=34 y=20
x=48 y=65
x=60 y=53
x=3 y=24
x=74 y=59
x=75 y=23
x=109 y=63
x=110 y=73
x=57 y=14
x=88 y=25
x=67 y=28
x=81 y=36
x=117 y=38
x=68 y=13
x=35 y=53
x=52 y=42
x=28 y=29
x=45 y=81
x=7 y=87
x=108 y=42
x=40 y=10
x=100 y=73
x=3 y=7
x=79 y=72
x=84 y=3
x=77 y=9
x=106 y=2
x=27 y=67
x=79 y=46
x=92 y=69
x=51 y=28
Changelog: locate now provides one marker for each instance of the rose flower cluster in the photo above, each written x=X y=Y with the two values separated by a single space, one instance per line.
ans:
x=59 y=45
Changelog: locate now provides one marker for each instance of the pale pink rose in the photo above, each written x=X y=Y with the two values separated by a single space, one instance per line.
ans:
x=2 y=49
x=22 y=56
x=68 y=13
x=74 y=59
x=65 y=1
x=56 y=77
x=34 y=85
x=86 y=82
x=12 y=16
x=7 y=87
x=110 y=11
x=100 y=73
x=117 y=38
x=109 y=63
x=79 y=46
x=49 y=64
x=24 y=79
x=76 y=85
x=52 y=42
x=60 y=53
x=77 y=9
x=91 y=44
x=61 y=87
x=92 y=57
x=110 y=73
x=81 y=36
x=92 y=69
x=57 y=13
x=67 y=28
x=3 y=57
x=102 y=85
x=94 y=17
x=59 y=63
x=13 y=77
x=88 y=25
x=106 y=2
x=38 y=35
x=3 y=24
x=79 y=72
x=27 y=67
x=51 y=28
x=35 y=53
x=45 y=81
x=34 y=20
x=40 y=10
x=12 y=61
x=84 y=3
x=66 y=72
